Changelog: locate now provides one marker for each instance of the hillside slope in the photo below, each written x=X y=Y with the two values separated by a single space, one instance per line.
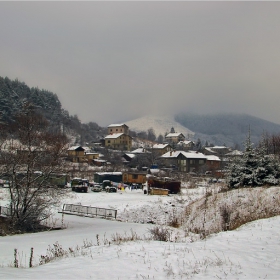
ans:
x=218 y=129
x=231 y=129
x=160 y=124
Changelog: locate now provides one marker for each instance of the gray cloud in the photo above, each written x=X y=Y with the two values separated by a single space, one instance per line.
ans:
x=115 y=61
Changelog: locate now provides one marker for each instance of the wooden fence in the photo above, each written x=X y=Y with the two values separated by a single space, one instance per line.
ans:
x=89 y=211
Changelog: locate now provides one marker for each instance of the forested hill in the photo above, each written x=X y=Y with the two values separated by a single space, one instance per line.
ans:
x=13 y=94
x=227 y=128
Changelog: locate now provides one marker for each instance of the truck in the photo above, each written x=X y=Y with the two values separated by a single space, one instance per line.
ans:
x=172 y=186
x=79 y=185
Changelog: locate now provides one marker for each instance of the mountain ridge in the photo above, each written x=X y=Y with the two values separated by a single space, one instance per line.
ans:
x=218 y=129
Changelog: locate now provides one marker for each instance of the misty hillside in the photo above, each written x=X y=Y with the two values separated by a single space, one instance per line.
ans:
x=231 y=129
x=219 y=129
x=160 y=124
x=216 y=129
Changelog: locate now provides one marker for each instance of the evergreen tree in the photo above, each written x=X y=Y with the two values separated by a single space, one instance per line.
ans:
x=254 y=168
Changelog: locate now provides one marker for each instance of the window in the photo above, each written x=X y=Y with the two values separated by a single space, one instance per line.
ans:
x=201 y=161
x=191 y=161
x=183 y=162
x=134 y=176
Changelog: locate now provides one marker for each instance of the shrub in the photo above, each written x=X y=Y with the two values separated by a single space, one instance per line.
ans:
x=160 y=233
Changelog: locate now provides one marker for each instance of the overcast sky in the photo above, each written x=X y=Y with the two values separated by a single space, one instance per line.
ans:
x=115 y=61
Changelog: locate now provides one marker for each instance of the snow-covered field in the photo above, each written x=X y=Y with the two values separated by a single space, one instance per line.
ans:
x=251 y=252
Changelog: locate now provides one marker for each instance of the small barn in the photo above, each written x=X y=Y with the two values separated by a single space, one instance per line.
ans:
x=134 y=177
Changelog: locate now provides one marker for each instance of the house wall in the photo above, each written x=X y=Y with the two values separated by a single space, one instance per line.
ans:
x=137 y=178
x=175 y=139
x=190 y=164
x=162 y=151
x=123 y=142
x=212 y=165
x=118 y=129
x=77 y=156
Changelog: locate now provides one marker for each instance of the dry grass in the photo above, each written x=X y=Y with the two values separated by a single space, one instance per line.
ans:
x=219 y=211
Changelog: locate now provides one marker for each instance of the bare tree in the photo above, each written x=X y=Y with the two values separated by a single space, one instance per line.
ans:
x=32 y=160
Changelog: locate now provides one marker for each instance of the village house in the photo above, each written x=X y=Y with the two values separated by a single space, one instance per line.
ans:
x=213 y=163
x=234 y=154
x=91 y=156
x=186 y=145
x=208 y=151
x=128 y=157
x=76 y=154
x=137 y=157
x=229 y=157
x=81 y=154
x=174 y=138
x=185 y=161
x=118 y=128
x=160 y=149
x=118 y=137
x=220 y=150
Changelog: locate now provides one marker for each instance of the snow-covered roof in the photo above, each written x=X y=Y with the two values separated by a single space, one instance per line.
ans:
x=113 y=136
x=171 y=154
x=175 y=154
x=210 y=150
x=160 y=146
x=154 y=171
x=117 y=124
x=212 y=157
x=219 y=147
x=100 y=160
x=140 y=151
x=73 y=148
x=130 y=155
x=186 y=142
x=176 y=134
x=109 y=173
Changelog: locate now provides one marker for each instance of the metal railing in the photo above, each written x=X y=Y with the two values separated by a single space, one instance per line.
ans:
x=89 y=211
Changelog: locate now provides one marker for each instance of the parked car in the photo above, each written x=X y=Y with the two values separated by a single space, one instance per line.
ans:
x=106 y=183
x=96 y=188
x=110 y=189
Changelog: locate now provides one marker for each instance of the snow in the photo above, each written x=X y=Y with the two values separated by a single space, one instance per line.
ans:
x=189 y=154
x=160 y=124
x=113 y=136
x=250 y=252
